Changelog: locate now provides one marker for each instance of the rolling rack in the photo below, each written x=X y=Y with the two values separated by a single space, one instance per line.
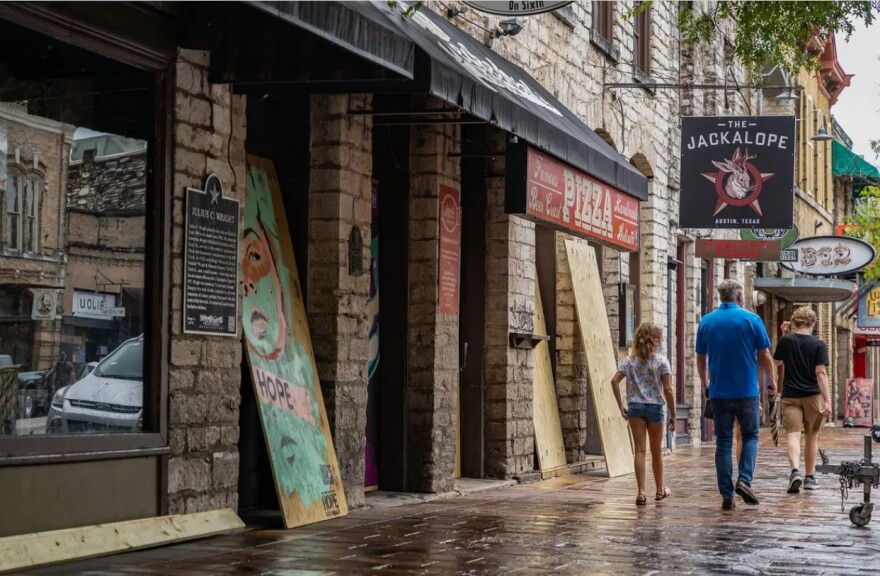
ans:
x=854 y=473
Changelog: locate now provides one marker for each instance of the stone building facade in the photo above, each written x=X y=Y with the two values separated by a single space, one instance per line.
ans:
x=331 y=147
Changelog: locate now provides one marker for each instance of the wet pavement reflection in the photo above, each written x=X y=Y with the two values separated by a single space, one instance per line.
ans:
x=582 y=524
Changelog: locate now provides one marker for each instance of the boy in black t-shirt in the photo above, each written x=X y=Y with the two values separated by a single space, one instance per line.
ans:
x=806 y=402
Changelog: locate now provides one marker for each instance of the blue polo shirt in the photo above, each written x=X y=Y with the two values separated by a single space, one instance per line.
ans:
x=731 y=337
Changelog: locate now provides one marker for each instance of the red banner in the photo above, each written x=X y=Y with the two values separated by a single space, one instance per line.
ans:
x=760 y=250
x=565 y=196
x=450 y=249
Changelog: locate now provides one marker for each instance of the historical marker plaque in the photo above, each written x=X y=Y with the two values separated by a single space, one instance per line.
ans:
x=210 y=261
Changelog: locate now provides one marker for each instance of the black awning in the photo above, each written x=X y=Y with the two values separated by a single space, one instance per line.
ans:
x=346 y=24
x=467 y=74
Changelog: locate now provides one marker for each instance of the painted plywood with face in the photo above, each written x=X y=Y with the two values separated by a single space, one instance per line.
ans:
x=281 y=359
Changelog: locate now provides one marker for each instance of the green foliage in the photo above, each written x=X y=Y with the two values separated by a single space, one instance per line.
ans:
x=865 y=224
x=775 y=33
x=409 y=10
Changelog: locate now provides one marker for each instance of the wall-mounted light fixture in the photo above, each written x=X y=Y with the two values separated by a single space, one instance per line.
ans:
x=454 y=11
x=822 y=135
x=510 y=27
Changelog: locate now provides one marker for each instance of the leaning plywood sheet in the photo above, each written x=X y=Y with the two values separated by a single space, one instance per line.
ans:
x=282 y=362
x=41 y=548
x=596 y=336
x=548 y=430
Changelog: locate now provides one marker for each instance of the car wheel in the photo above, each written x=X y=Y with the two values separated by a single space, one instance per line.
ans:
x=30 y=403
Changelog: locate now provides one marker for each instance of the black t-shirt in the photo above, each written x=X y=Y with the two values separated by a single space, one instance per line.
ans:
x=800 y=354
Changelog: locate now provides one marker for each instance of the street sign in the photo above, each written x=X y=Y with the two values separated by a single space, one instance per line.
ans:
x=737 y=172
x=831 y=255
x=506 y=8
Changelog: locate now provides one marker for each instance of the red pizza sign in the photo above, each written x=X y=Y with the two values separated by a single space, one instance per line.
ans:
x=571 y=200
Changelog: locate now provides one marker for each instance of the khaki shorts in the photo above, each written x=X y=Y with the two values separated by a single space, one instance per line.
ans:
x=803 y=414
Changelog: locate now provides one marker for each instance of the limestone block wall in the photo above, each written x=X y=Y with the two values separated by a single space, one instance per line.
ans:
x=204 y=372
x=114 y=183
x=510 y=307
x=339 y=201
x=432 y=357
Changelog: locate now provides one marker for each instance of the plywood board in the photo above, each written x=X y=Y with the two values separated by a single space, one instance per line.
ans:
x=41 y=548
x=545 y=410
x=601 y=364
x=282 y=361
x=456 y=471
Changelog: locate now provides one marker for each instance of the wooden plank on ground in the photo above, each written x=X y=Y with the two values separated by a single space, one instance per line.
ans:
x=601 y=364
x=545 y=410
x=282 y=361
x=40 y=548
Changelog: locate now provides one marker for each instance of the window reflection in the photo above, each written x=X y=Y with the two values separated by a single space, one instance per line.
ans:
x=71 y=277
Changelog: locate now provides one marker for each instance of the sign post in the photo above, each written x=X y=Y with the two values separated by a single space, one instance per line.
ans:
x=210 y=261
x=737 y=171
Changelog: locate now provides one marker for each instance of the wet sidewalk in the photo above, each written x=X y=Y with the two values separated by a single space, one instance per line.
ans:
x=582 y=524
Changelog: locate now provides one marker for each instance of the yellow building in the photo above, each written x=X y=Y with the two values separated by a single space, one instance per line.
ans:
x=815 y=210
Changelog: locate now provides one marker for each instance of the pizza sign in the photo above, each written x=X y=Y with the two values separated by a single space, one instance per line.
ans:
x=558 y=194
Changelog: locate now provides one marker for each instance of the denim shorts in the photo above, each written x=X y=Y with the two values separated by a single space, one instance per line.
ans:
x=651 y=413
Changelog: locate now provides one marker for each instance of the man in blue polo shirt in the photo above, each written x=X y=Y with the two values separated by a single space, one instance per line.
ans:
x=733 y=342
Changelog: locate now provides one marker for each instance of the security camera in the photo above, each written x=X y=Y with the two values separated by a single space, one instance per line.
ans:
x=510 y=27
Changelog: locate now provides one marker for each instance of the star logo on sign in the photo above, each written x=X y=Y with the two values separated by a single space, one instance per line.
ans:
x=738 y=182
x=215 y=194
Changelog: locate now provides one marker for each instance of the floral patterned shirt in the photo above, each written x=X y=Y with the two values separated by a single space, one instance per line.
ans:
x=644 y=382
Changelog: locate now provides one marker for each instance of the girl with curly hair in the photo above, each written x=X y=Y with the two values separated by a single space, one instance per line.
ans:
x=648 y=382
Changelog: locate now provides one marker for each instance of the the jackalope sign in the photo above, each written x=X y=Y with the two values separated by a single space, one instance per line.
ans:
x=737 y=171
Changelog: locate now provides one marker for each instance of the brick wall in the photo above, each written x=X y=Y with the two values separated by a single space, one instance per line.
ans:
x=432 y=336
x=205 y=372
x=31 y=137
x=40 y=147
x=340 y=199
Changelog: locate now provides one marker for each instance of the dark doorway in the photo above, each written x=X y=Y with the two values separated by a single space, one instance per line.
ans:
x=391 y=175
x=256 y=486
x=474 y=173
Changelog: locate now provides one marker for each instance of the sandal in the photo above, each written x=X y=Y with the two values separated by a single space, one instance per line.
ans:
x=661 y=495
x=641 y=500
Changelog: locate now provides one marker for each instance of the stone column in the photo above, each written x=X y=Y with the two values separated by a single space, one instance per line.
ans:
x=205 y=372
x=339 y=203
x=432 y=383
x=510 y=307
x=579 y=430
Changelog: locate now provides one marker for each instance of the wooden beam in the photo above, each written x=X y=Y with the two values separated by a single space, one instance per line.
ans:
x=41 y=548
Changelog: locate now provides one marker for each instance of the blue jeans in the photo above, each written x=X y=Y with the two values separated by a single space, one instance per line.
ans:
x=650 y=413
x=744 y=410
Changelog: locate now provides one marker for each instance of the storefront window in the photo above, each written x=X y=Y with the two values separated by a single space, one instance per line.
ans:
x=75 y=255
